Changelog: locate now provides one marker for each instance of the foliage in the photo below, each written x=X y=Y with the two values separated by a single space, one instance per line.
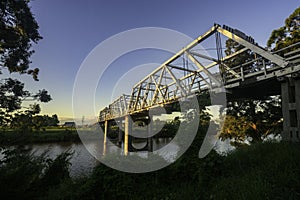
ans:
x=18 y=31
x=28 y=121
x=288 y=34
x=252 y=118
x=43 y=121
x=237 y=128
x=25 y=176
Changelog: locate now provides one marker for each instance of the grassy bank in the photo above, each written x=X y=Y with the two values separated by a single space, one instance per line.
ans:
x=11 y=137
x=259 y=171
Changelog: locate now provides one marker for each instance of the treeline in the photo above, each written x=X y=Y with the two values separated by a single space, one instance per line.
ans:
x=27 y=123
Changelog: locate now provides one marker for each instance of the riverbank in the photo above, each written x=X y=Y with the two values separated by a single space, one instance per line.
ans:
x=61 y=134
x=11 y=137
x=259 y=171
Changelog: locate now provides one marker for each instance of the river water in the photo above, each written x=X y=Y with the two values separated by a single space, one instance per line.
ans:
x=82 y=162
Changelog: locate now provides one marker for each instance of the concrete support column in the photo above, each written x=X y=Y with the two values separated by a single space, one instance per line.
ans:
x=149 y=130
x=297 y=106
x=290 y=93
x=120 y=133
x=128 y=130
x=105 y=136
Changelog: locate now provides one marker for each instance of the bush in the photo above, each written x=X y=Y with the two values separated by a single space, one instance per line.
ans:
x=24 y=176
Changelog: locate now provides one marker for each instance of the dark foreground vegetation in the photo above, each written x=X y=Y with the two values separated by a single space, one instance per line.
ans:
x=259 y=171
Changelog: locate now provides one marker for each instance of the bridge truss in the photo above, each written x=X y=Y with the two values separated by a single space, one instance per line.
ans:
x=192 y=70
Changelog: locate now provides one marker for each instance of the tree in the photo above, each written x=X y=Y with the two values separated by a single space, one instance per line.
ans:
x=249 y=117
x=252 y=118
x=54 y=120
x=288 y=34
x=19 y=31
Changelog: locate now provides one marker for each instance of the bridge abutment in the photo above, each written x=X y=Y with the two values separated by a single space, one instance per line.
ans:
x=290 y=93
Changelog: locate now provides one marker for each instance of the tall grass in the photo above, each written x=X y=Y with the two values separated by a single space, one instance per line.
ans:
x=261 y=171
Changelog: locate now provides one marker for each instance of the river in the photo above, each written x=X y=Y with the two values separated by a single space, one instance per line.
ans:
x=82 y=162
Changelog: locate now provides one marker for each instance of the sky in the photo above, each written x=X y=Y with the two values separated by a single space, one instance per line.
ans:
x=72 y=29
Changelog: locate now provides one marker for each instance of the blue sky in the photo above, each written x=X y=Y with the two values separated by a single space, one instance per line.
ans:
x=71 y=29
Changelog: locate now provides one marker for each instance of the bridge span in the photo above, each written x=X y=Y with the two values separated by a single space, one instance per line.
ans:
x=249 y=72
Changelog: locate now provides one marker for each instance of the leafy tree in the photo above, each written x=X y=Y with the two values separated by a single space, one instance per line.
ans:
x=30 y=121
x=252 y=118
x=19 y=31
x=288 y=34
x=54 y=120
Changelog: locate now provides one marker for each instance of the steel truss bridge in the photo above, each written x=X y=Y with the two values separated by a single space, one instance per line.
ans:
x=192 y=71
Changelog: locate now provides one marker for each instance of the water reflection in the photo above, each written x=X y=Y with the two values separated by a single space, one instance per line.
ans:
x=83 y=162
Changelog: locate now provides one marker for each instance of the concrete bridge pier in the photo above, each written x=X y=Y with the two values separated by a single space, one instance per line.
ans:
x=150 y=138
x=120 y=133
x=106 y=127
x=128 y=130
x=290 y=93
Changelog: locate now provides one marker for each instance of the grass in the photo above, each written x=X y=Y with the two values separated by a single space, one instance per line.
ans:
x=261 y=171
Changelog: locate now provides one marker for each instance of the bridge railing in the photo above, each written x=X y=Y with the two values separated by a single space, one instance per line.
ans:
x=258 y=65
x=292 y=53
x=249 y=69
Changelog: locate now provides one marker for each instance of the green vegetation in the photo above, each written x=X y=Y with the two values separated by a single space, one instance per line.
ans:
x=259 y=171
x=287 y=34
x=11 y=137
x=252 y=118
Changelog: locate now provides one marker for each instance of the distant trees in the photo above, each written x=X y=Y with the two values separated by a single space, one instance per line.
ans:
x=26 y=122
x=42 y=121
x=18 y=31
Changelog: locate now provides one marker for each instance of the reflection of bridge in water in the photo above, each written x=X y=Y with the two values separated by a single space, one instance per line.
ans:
x=191 y=72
